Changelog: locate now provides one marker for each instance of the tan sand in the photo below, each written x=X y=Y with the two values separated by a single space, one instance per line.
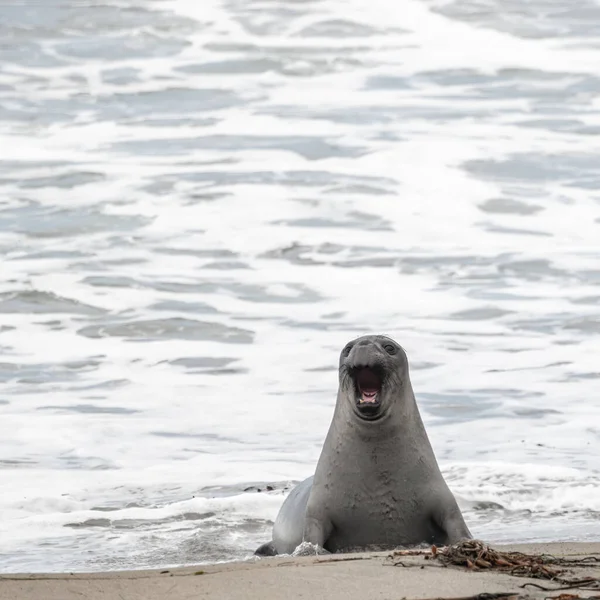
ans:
x=338 y=577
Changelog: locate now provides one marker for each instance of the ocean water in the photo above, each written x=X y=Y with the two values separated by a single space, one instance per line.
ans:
x=202 y=202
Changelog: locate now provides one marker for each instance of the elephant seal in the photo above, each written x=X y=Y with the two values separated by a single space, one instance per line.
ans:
x=377 y=484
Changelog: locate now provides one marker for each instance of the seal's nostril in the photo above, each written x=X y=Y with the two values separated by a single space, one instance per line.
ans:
x=361 y=356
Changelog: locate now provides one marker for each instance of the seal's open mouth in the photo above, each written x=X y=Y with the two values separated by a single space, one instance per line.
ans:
x=368 y=390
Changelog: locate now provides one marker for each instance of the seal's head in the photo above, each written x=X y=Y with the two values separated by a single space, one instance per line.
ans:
x=373 y=371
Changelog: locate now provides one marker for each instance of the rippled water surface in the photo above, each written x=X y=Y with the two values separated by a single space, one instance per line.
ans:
x=201 y=202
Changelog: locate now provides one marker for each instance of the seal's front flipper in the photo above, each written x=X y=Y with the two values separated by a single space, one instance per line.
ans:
x=316 y=530
x=267 y=549
x=449 y=520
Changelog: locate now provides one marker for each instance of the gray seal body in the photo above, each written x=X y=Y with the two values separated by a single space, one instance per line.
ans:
x=377 y=484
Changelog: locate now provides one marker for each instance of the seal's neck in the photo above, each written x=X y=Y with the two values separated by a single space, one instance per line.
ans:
x=395 y=443
x=401 y=420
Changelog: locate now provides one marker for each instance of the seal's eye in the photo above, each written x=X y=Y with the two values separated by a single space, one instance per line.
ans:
x=346 y=350
x=390 y=349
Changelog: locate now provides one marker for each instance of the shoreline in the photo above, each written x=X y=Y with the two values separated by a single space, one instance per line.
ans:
x=340 y=576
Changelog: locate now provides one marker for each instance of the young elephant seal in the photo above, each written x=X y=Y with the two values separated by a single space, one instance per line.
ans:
x=377 y=484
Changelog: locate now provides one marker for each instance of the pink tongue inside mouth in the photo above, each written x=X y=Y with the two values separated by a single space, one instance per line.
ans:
x=368 y=395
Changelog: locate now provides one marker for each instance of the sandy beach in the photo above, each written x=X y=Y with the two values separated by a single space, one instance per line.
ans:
x=337 y=577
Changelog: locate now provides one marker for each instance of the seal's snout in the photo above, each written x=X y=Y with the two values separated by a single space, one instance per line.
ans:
x=364 y=355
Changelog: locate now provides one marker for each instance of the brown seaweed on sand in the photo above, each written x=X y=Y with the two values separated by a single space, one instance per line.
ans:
x=476 y=555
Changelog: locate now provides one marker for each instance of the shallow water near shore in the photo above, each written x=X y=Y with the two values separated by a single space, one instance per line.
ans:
x=199 y=206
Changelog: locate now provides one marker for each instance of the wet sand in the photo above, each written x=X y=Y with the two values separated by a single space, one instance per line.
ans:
x=339 y=577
